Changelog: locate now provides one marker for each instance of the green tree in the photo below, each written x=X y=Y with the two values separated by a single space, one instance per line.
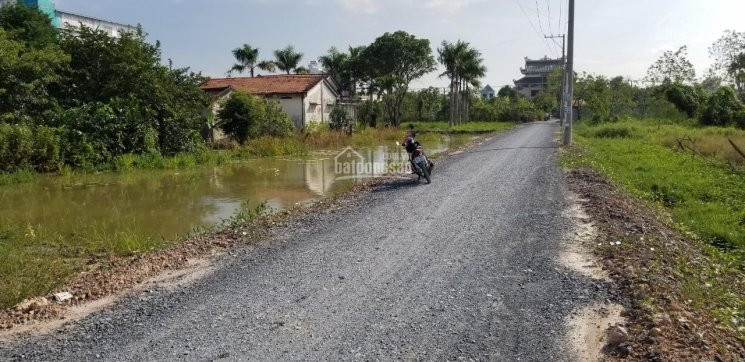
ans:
x=242 y=115
x=29 y=25
x=27 y=76
x=336 y=64
x=687 y=99
x=592 y=96
x=723 y=109
x=127 y=72
x=672 y=67
x=391 y=62
x=508 y=92
x=622 y=96
x=725 y=52
x=287 y=59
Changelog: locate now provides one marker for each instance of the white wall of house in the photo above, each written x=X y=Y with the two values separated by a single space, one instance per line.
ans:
x=319 y=102
x=292 y=104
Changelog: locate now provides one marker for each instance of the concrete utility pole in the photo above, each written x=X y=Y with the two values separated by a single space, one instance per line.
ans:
x=562 y=104
x=570 y=79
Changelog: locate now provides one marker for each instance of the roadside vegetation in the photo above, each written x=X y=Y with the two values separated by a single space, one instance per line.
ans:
x=677 y=145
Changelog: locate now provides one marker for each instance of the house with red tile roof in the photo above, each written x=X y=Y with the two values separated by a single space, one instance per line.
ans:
x=306 y=98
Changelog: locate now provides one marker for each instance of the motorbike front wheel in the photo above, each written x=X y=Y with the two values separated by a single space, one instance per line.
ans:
x=425 y=171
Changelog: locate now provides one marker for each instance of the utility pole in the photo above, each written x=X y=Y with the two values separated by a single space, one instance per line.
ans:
x=570 y=79
x=563 y=77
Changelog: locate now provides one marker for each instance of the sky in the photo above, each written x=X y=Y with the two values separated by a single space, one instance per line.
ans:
x=613 y=37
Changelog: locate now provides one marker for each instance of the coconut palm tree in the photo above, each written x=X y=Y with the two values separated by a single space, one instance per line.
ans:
x=247 y=57
x=287 y=59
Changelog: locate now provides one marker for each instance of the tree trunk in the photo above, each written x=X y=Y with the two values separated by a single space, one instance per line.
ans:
x=452 y=102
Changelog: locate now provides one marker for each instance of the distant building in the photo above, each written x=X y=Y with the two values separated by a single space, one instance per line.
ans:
x=306 y=98
x=488 y=92
x=536 y=74
x=314 y=67
x=71 y=21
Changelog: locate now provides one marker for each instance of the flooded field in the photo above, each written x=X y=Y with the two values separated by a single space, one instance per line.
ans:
x=167 y=204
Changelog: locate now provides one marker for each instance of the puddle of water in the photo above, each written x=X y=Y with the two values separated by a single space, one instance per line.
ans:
x=166 y=204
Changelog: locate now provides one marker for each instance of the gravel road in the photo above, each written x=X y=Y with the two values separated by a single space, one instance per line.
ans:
x=462 y=268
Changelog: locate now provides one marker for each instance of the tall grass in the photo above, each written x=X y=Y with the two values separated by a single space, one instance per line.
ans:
x=34 y=261
x=470 y=127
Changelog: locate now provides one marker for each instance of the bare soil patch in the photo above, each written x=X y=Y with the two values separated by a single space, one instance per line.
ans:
x=644 y=256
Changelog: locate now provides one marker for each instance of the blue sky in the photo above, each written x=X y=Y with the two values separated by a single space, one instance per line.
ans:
x=614 y=37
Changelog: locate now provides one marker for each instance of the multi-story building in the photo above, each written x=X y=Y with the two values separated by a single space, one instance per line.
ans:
x=71 y=21
x=535 y=75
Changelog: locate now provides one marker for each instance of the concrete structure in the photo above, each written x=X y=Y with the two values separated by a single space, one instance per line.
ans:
x=536 y=74
x=488 y=92
x=306 y=98
x=71 y=21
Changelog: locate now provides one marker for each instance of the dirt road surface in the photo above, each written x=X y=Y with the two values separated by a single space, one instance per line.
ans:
x=463 y=268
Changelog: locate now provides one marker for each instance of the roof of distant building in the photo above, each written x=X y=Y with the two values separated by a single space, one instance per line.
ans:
x=545 y=65
x=487 y=89
x=266 y=85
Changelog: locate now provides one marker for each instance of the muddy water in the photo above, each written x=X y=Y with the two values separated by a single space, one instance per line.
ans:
x=166 y=204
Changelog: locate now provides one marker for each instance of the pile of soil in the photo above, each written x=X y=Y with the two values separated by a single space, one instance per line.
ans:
x=647 y=267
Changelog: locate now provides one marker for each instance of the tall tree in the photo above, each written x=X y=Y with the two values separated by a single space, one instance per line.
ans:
x=725 y=52
x=28 y=24
x=287 y=59
x=672 y=67
x=450 y=54
x=464 y=67
x=336 y=64
x=247 y=57
x=391 y=62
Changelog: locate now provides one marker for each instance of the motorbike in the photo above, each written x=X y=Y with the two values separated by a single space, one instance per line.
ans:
x=420 y=164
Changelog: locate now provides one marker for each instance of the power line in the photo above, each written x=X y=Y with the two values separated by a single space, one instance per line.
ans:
x=540 y=25
x=548 y=9
x=532 y=25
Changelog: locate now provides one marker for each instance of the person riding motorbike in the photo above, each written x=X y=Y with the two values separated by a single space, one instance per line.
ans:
x=411 y=144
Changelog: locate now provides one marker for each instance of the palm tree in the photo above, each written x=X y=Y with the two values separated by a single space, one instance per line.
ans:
x=472 y=70
x=267 y=65
x=246 y=57
x=287 y=59
x=335 y=65
x=451 y=56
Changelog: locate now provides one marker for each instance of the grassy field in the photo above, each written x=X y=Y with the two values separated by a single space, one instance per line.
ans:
x=704 y=194
x=471 y=127
x=703 y=191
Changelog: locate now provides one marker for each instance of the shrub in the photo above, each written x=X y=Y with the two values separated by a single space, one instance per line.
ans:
x=724 y=108
x=276 y=123
x=23 y=146
x=241 y=116
x=339 y=119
